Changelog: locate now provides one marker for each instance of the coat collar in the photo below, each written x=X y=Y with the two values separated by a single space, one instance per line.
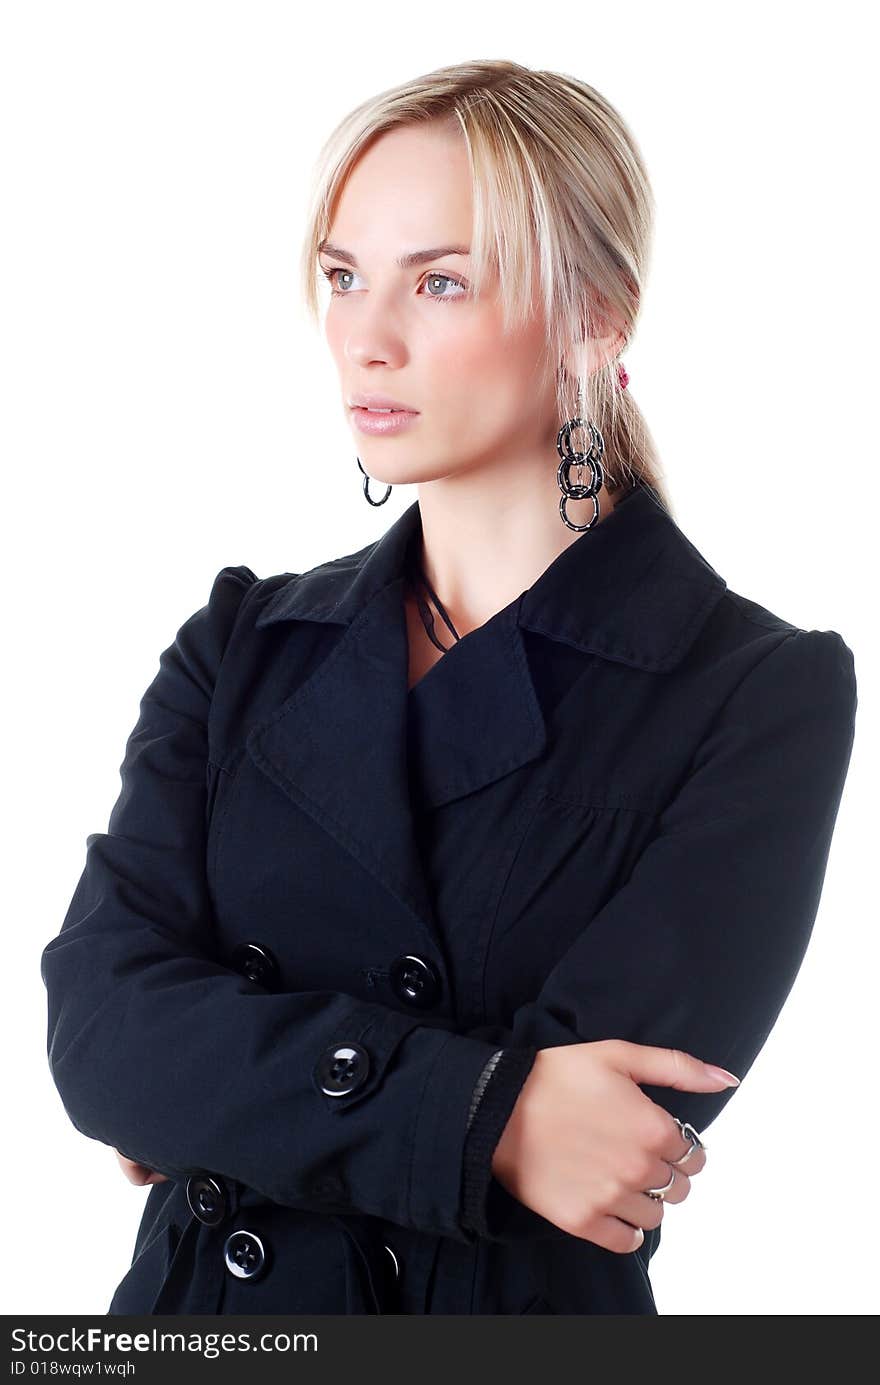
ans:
x=633 y=590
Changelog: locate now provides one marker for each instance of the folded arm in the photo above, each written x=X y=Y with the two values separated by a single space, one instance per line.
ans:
x=700 y=948
x=184 y=1065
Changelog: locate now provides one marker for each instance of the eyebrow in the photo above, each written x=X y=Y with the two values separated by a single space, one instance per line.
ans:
x=417 y=257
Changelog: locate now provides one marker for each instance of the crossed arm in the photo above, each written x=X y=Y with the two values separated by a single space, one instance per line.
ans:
x=161 y=1052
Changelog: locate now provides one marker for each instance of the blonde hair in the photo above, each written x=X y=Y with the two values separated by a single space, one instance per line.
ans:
x=560 y=185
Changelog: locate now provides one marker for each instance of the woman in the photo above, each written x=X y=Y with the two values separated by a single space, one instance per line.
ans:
x=450 y=879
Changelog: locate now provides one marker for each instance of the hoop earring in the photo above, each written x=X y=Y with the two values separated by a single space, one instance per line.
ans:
x=367 y=487
x=570 y=458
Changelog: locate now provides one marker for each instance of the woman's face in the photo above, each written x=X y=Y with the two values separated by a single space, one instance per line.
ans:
x=418 y=333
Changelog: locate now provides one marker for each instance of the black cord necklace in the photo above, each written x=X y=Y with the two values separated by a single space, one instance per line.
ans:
x=416 y=575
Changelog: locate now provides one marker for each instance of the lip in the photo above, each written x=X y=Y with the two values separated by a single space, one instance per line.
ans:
x=381 y=425
x=379 y=401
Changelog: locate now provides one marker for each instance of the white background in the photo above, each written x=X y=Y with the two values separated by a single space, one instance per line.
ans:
x=169 y=410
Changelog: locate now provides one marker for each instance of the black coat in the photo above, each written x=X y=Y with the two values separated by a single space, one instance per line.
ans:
x=324 y=903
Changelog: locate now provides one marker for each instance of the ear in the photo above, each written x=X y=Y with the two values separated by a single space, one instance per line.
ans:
x=602 y=340
x=591 y=355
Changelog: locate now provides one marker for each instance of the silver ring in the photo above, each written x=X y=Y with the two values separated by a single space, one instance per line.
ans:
x=689 y=1133
x=657 y=1193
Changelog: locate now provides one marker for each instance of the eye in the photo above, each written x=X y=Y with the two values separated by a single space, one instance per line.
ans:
x=330 y=274
x=433 y=277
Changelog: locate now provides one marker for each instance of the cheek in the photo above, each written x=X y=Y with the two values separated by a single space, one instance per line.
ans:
x=475 y=362
x=334 y=336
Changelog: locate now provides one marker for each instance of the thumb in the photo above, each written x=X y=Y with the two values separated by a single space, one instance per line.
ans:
x=670 y=1067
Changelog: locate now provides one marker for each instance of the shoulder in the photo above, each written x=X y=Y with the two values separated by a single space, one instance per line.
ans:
x=237 y=586
x=741 y=623
x=736 y=632
x=321 y=586
x=775 y=661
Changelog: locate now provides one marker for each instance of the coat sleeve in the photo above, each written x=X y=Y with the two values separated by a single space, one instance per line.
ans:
x=701 y=946
x=185 y=1065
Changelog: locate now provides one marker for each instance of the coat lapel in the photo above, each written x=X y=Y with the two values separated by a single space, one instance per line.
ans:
x=475 y=716
x=339 y=746
x=633 y=590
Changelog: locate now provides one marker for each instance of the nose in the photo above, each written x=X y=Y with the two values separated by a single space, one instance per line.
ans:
x=375 y=333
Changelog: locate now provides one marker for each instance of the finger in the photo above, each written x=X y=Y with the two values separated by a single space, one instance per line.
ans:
x=677 y=1146
x=668 y=1067
x=675 y=1193
x=692 y=1162
x=658 y=1174
x=611 y=1233
x=637 y=1209
x=138 y=1174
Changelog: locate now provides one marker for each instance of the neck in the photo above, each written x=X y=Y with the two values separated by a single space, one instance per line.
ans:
x=482 y=546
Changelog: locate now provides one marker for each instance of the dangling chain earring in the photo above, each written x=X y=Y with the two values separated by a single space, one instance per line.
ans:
x=570 y=458
x=367 y=487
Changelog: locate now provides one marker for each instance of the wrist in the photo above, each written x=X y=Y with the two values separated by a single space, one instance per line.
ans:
x=507 y=1151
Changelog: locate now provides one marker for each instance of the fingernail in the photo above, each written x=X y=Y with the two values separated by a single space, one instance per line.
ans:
x=725 y=1076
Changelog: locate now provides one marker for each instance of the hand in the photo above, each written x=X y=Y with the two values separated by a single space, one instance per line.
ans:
x=583 y=1142
x=139 y=1173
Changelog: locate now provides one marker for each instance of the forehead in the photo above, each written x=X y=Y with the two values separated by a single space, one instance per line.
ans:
x=409 y=189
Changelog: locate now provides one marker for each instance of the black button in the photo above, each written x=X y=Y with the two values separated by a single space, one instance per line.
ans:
x=342 y=1069
x=395 y=1263
x=388 y=1281
x=416 y=981
x=255 y=961
x=245 y=1254
x=207 y=1199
